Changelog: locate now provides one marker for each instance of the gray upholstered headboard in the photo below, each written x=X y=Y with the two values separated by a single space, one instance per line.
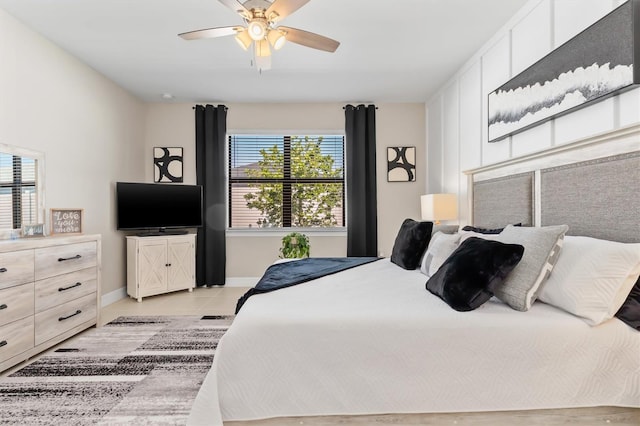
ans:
x=597 y=195
x=504 y=200
x=598 y=198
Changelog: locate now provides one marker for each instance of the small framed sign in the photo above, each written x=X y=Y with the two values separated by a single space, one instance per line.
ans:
x=34 y=230
x=66 y=221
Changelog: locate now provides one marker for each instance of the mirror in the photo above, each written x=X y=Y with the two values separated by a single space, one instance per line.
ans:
x=21 y=189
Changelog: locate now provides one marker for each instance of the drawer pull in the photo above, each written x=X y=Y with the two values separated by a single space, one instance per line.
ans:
x=70 y=287
x=62 y=259
x=78 y=312
x=3 y=269
x=3 y=306
x=3 y=343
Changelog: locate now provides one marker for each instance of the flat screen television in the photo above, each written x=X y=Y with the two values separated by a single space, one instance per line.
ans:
x=158 y=208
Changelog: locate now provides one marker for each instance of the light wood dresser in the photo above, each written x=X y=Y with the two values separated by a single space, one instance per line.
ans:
x=49 y=291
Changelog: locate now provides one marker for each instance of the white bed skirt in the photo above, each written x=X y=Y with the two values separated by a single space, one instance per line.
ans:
x=372 y=340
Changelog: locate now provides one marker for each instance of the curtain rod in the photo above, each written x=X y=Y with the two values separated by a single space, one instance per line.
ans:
x=226 y=108
x=344 y=107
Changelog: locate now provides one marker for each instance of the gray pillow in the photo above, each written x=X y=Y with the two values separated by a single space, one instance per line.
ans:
x=445 y=229
x=541 y=250
x=440 y=248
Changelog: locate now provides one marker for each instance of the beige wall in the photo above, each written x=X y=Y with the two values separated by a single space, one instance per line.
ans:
x=172 y=124
x=90 y=130
x=93 y=133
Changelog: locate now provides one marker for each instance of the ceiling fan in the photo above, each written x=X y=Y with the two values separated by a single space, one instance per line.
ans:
x=261 y=17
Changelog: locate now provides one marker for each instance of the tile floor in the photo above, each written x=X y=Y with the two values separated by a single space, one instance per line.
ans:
x=202 y=301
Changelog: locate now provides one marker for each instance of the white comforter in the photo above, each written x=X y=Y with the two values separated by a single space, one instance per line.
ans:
x=372 y=340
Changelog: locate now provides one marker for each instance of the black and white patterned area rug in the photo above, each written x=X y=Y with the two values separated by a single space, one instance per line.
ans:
x=134 y=370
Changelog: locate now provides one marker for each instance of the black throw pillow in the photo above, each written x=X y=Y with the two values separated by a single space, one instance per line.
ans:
x=411 y=242
x=486 y=230
x=629 y=312
x=467 y=278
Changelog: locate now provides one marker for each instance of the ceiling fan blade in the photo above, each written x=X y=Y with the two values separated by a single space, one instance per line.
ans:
x=211 y=33
x=237 y=7
x=283 y=8
x=313 y=40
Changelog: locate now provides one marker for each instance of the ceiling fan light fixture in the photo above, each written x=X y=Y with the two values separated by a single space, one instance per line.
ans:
x=274 y=16
x=243 y=39
x=263 y=63
x=262 y=48
x=276 y=38
x=257 y=29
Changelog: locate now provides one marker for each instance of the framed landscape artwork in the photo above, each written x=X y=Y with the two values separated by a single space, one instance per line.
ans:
x=595 y=64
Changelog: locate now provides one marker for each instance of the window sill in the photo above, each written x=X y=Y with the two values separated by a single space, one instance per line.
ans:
x=281 y=232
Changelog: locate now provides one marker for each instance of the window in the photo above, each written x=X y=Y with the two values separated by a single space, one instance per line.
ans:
x=286 y=181
x=18 y=204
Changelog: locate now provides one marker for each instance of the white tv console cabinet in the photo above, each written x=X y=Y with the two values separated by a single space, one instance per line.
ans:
x=160 y=264
x=49 y=291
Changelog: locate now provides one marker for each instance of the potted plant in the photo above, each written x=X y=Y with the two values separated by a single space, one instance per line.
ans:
x=294 y=245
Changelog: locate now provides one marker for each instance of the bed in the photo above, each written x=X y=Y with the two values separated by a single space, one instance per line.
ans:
x=371 y=340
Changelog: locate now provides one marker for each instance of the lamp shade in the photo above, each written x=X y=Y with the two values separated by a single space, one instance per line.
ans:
x=244 y=39
x=257 y=29
x=276 y=38
x=437 y=207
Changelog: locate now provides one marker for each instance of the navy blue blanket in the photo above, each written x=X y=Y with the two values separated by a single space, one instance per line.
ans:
x=288 y=274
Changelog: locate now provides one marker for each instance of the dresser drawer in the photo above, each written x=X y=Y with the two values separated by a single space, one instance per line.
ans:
x=60 y=289
x=16 y=303
x=62 y=259
x=16 y=268
x=16 y=338
x=62 y=318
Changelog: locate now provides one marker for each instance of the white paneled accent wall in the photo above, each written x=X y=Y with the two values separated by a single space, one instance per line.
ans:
x=457 y=136
x=450 y=152
x=434 y=147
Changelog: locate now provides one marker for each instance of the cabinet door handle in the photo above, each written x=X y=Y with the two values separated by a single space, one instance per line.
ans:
x=70 y=287
x=167 y=264
x=62 y=259
x=78 y=312
x=3 y=306
x=3 y=343
x=3 y=269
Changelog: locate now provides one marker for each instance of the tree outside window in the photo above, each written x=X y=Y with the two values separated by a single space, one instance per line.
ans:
x=286 y=181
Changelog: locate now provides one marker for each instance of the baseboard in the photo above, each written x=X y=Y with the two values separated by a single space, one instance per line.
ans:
x=241 y=281
x=113 y=297
x=121 y=293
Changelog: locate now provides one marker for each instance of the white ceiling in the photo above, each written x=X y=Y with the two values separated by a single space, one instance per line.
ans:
x=391 y=51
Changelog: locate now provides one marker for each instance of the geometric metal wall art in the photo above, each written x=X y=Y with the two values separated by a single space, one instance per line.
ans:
x=167 y=164
x=401 y=164
x=592 y=66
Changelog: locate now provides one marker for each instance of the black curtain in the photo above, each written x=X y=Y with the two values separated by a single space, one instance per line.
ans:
x=362 y=214
x=211 y=129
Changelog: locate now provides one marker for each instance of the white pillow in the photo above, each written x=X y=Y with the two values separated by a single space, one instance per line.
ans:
x=592 y=278
x=440 y=248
